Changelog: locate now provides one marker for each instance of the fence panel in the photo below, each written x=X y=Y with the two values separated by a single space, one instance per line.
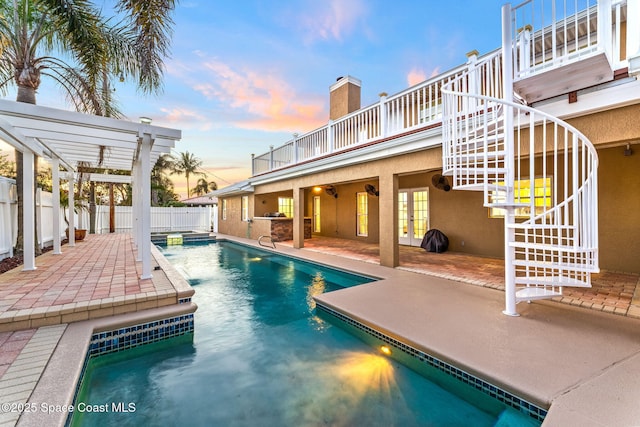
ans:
x=7 y=218
x=162 y=219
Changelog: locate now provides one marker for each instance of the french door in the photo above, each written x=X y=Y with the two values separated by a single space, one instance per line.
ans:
x=413 y=215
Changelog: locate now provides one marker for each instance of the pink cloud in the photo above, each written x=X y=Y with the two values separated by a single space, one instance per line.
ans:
x=185 y=118
x=417 y=75
x=336 y=19
x=270 y=101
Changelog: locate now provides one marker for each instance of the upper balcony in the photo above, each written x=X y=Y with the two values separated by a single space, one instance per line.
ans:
x=556 y=50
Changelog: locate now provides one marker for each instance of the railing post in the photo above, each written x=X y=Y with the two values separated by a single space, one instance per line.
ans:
x=633 y=37
x=253 y=164
x=524 y=43
x=605 y=28
x=509 y=220
x=295 y=148
x=270 y=157
x=330 y=136
x=383 y=114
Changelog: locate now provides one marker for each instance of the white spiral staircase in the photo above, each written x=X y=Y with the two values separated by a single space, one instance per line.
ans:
x=540 y=171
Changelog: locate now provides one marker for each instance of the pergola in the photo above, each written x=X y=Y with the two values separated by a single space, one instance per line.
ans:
x=65 y=139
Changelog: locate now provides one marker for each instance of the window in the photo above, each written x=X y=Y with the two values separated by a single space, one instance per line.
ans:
x=522 y=195
x=285 y=205
x=224 y=209
x=316 y=214
x=362 y=214
x=244 y=206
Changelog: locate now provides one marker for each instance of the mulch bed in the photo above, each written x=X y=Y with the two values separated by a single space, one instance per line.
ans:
x=7 y=264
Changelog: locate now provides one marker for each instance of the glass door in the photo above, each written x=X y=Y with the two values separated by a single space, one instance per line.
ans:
x=413 y=215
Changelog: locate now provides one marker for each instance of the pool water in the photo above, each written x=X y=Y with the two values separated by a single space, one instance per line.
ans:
x=261 y=357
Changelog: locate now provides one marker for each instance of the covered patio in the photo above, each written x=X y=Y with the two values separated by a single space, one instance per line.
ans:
x=611 y=292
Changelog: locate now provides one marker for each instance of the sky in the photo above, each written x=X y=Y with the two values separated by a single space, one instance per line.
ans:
x=244 y=75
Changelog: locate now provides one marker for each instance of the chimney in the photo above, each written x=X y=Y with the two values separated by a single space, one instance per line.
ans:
x=344 y=97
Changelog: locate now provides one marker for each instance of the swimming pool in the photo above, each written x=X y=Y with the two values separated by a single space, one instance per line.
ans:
x=261 y=356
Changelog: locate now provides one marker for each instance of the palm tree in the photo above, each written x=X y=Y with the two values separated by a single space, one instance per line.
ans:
x=161 y=186
x=203 y=187
x=36 y=34
x=187 y=164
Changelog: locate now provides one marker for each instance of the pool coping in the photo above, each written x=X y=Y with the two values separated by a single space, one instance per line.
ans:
x=58 y=383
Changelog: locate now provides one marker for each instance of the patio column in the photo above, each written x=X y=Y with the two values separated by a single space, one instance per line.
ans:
x=29 y=212
x=55 y=195
x=144 y=245
x=71 y=211
x=388 y=213
x=298 y=217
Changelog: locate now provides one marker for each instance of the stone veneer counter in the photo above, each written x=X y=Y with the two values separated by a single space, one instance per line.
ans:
x=281 y=228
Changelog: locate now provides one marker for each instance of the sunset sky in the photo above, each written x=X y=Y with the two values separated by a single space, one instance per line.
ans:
x=248 y=74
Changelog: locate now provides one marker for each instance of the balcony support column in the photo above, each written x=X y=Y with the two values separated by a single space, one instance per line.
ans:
x=388 y=220
x=298 y=217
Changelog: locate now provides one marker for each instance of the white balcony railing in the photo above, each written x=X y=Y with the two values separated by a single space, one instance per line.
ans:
x=547 y=34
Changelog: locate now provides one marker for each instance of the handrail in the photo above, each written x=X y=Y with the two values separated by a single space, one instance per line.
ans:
x=273 y=245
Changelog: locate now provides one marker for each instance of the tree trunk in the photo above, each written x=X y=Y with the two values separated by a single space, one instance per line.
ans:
x=92 y=207
x=26 y=94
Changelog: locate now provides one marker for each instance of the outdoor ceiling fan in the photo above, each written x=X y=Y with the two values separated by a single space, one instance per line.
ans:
x=371 y=190
x=441 y=182
x=331 y=191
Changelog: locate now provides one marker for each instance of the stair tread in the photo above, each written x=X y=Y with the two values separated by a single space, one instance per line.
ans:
x=553 y=281
x=527 y=294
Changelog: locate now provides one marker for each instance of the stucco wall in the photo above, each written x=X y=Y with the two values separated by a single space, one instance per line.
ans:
x=233 y=224
x=619 y=209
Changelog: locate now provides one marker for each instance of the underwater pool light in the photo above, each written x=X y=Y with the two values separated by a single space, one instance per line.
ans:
x=385 y=350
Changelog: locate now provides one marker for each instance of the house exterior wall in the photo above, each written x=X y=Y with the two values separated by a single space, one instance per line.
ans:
x=233 y=224
x=619 y=209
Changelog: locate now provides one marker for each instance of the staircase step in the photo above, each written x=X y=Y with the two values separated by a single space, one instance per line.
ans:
x=530 y=294
x=491 y=155
x=548 y=247
x=552 y=281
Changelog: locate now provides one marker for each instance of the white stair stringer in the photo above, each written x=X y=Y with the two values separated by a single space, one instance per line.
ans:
x=551 y=238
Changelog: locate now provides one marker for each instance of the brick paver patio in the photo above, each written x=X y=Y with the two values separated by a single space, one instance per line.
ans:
x=612 y=292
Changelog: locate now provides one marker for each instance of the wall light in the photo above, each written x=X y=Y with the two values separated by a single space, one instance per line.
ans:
x=385 y=350
x=628 y=151
x=145 y=120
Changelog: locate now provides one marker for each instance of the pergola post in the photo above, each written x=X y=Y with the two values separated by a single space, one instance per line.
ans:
x=144 y=245
x=136 y=198
x=55 y=195
x=71 y=211
x=29 y=211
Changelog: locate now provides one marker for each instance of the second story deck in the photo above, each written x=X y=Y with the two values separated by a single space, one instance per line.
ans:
x=556 y=49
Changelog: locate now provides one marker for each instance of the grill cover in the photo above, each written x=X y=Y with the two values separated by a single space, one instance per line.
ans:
x=435 y=241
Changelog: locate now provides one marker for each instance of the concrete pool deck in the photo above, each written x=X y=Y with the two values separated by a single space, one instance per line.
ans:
x=583 y=362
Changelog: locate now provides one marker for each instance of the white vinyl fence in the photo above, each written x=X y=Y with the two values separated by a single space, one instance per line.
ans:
x=201 y=218
x=197 y=218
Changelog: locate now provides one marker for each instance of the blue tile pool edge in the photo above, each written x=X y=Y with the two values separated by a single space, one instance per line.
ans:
x=532 y=410
x=128 y=337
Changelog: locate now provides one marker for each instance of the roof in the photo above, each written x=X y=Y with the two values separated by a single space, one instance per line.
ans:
x=100 y=142
x=207 y=199
x=242 y=187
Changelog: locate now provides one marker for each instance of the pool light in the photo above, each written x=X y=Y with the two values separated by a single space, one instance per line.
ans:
x=385 y=350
